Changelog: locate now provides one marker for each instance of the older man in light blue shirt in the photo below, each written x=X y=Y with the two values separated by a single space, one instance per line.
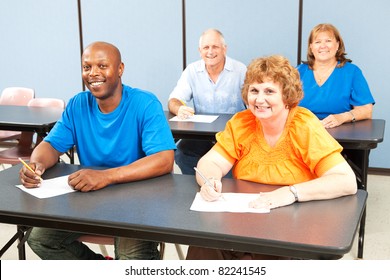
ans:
x=214 y=85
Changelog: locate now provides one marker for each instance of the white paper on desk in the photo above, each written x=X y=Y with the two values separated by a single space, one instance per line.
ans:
x=49 y=188
x=196 y=118
x=231 y=202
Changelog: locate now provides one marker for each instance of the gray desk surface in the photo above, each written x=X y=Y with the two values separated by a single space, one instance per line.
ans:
x=364 y=134
x=193 y=130
x=158 y=209
x=27 y=118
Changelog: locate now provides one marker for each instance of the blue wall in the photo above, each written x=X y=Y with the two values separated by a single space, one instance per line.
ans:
x=40 y=45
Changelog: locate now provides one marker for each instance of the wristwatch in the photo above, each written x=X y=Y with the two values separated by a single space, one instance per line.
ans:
x=353 y=116
x=294 y=192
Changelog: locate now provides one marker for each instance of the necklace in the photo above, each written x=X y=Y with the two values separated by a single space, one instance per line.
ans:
x=322 y=76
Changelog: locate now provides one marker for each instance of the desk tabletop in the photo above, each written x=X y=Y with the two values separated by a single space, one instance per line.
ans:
x=364 y=134
x=159 y=209
x=360 y=134
x=197 y=130
x=28 y=118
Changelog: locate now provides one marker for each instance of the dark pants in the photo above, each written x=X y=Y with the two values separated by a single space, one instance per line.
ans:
x=189 y=152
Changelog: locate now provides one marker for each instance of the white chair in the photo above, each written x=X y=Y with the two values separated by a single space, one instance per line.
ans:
x=101 y=240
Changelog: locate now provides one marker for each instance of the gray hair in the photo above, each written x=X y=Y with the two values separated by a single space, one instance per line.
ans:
x=212 y=30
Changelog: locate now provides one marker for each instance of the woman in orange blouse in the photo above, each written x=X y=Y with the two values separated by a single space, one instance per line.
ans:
x=274 y=142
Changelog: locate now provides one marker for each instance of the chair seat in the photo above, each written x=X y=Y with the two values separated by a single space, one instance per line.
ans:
x=11 y=155
x=6 y=135
x=97 y=239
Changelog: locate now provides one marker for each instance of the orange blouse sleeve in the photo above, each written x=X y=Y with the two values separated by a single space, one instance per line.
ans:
x=232 y=141
x=318 y=149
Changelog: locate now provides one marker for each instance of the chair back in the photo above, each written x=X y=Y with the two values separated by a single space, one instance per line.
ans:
x=47 y=102
x=16 y=96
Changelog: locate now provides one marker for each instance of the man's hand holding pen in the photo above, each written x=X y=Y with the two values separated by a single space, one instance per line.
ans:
x=30 y=174
x=185 y=112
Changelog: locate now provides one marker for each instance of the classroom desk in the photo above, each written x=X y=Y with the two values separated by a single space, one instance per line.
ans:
x=198 y=131
x=28 y=118
x=159 y=209
x=360 y=136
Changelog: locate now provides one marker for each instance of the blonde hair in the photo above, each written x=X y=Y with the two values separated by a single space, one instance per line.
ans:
x=327 y=27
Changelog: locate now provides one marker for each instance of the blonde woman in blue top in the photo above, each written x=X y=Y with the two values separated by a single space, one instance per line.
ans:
x=335 y=90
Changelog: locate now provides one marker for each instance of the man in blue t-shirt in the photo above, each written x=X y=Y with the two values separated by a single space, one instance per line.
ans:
x=114 y=126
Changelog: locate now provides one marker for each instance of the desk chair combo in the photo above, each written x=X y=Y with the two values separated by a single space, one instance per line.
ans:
x=19 y=96
x=23 y=150
x=26 y=143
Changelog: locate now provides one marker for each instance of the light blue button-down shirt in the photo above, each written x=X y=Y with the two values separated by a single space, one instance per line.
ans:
x=224 y=96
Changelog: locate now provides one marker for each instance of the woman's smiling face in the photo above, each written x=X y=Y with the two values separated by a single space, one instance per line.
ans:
x=265 y=100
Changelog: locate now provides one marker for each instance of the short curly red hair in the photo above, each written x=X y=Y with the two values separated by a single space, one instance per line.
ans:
x=279 y=70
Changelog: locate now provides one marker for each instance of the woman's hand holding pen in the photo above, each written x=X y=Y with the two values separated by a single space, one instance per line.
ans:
x=211 y=193
x=211 y=189
x=184 y=112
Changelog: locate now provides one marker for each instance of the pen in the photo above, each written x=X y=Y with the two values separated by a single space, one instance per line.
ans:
x=28 y=167
x=206 y=180
x=184 y=104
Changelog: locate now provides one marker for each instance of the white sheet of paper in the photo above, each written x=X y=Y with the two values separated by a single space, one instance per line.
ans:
x=231 y=202
x=196 y=118
x=49 y=187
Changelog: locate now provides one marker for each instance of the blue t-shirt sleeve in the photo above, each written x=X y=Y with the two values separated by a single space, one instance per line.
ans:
x=61 y=135
x=156 y=133
x=360 y=92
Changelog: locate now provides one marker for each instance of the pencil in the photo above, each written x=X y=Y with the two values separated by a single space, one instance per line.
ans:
x=29 y=168
x=184 y=104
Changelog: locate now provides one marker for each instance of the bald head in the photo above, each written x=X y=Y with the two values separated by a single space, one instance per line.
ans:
x=102 y=70
x=110 y=49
